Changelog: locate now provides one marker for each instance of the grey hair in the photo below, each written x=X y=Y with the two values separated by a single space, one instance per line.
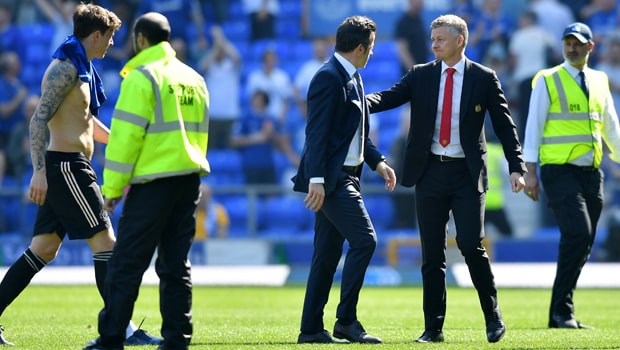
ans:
x=455 y=24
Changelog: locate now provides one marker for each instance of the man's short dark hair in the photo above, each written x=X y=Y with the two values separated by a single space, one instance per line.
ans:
x=353 y=31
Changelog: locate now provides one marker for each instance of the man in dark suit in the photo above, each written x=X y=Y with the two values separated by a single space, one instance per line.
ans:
x=336 y=147
x=446 y=159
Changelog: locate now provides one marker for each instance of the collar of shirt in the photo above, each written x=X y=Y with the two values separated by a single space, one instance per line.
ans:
x=348 y=66
x=574 y=72
x=459 y=66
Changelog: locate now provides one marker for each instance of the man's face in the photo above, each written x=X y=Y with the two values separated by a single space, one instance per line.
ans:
x=574 y=51
x=445 y=43
x=362 y=59
x=104 y=42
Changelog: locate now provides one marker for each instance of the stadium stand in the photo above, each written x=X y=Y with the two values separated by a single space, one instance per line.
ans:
x=271 y=213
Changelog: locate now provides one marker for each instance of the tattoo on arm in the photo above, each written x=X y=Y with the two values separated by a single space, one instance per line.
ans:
x=60 y=79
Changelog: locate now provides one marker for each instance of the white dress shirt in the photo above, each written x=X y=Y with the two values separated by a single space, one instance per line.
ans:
x=453 y=149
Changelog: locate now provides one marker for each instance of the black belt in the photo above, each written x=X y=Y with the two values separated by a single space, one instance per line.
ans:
x=583 y=168
x=351 y=170
x=442 y=158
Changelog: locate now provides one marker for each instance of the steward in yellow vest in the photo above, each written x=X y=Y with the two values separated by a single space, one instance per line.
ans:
x=162 y=108
x=571 y=113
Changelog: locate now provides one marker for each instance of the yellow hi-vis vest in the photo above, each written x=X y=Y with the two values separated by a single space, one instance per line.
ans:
x=160 y=122
x=574 y=123
x=495 y=193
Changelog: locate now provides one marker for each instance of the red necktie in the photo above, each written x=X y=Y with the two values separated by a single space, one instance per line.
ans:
x=446 y=110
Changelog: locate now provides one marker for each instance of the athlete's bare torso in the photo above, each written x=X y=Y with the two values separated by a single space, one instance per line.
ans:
x=71 y=127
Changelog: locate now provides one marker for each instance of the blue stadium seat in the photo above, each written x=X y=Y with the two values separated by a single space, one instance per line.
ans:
x=385 y=71
x=387 y=136
x=238 y=208
x=41 y=32
x=237 y=29
x=235 y=10
x=10 y=207
x=385 y=50
x=288 y=28
x=282 y=47
x=286 y=212
x=302 y=49
x=381 y=210
x=226 y=167
x=291 y=9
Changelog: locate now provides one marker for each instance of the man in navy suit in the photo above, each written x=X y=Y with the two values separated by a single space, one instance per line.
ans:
x=446 y=159
x=336 y=147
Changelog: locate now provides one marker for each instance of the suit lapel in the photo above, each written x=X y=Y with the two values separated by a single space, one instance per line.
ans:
x=433 y=80
x=468 y=86
x=349 y=84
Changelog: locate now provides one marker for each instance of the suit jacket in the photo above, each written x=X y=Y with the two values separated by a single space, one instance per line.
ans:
x=334 y=113
x=482 y=92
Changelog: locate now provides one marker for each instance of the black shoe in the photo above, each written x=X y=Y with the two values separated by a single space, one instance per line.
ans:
x=320 y=337
x=142 y=337
x=566 y=321
x=496 y=329
x=93 y=345
x=354 y=333
x=2 y=340
x=431 y=336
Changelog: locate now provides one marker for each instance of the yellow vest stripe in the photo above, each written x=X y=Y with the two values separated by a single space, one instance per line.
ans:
x=561 y=92
x=160 y=125
x=162 y=174
x=130 y=118
x=118 y=166
x=567 y=139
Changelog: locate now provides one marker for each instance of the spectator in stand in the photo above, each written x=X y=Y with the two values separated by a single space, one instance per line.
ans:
x=553 y=16
x=464 y=9
x=180 y=14
x=220 y=10
x=212 y=218
x=263 y=15
x=491 y=27
x=412 y=37
x=60 y=14
x=528 y=50
x=119 y=54
x=296 y=122
x=18 y=149
x=611 y=64
x=12 y=96
x=576 y=7
x=275 y=82
x=180 y=47
x=603 y=19
x=320 y=52
x=258 y=135
x=10 y=38
x=221 y=67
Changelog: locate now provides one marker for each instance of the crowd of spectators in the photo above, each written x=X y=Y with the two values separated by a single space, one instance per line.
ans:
x=258 y=57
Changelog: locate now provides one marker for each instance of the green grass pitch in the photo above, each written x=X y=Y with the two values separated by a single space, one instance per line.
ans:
x=65 y=317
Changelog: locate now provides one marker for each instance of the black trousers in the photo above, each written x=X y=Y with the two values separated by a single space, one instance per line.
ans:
x=156 y=215
x=343 y=216
x=447 y=187
x=576 y=197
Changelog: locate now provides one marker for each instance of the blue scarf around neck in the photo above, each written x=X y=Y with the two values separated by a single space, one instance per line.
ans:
x=72 y=49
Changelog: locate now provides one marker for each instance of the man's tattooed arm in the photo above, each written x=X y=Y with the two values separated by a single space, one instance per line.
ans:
x=60 y=79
